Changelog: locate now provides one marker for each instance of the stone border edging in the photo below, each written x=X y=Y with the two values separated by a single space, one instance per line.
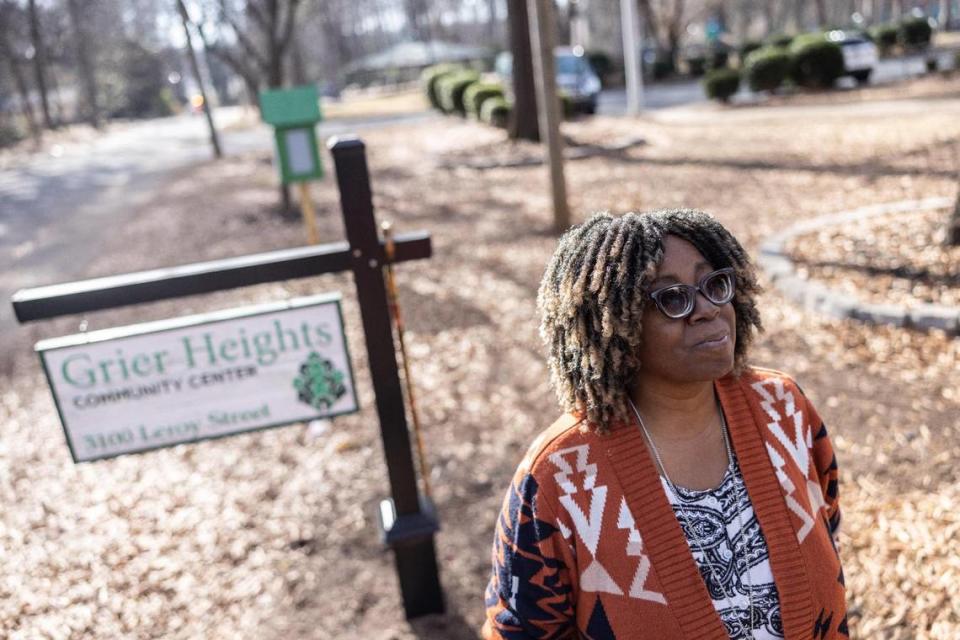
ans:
x=817 y=297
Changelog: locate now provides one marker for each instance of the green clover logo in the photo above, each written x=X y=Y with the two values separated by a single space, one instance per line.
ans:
x=319 y=384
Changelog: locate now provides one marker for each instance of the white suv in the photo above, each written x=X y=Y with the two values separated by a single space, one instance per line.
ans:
x=859 y=53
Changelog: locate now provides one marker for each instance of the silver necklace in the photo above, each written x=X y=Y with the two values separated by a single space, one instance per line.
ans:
x=696 y=539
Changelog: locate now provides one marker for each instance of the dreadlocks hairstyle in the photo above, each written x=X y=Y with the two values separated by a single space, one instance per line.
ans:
x=592 y=296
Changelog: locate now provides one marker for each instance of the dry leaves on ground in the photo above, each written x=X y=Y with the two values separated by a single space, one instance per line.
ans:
x=273 y=534
x=895 y=259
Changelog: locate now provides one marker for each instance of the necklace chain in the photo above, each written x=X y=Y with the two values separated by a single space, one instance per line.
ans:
x=696 y=539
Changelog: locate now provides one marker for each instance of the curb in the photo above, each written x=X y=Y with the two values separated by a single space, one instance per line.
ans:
x=817 y=297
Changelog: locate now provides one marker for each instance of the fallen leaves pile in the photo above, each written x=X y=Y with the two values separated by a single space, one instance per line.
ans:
x=274 y=534
x=897 y=259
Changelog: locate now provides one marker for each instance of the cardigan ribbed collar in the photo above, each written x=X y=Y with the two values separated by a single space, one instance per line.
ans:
x=664 y=540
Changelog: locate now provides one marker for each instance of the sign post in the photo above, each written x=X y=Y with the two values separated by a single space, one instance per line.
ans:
x=294 y=113
x=408 y=518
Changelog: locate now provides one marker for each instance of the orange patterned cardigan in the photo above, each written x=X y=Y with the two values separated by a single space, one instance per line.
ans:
x=587 y=545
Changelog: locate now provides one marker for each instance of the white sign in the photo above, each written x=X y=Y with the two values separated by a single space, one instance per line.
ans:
x=159 y=384
x=299 y=151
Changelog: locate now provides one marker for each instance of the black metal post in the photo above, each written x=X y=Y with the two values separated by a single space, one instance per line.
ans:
x=408 y=519
x=110 y=292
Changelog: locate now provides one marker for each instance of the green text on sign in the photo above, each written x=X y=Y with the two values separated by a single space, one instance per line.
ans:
x=154 y=385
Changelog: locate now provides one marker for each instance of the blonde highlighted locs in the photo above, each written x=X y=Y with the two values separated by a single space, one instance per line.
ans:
x=593 y=294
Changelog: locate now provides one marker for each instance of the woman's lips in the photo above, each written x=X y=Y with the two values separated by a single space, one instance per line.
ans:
x=713 y=342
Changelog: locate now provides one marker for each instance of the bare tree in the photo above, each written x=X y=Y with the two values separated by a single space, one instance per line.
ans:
x=39 y=62
x=85 y=62
x=255 y=39
x=14 y=60
x=821 y=8
x=667 y=22
x=195 y=68
x=524 y=123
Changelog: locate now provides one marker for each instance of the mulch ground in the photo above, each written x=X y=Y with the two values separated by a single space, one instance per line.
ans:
x=274 y=534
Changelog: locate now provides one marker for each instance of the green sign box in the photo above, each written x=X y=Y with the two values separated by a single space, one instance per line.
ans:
x=142 y=387
x=293 y=113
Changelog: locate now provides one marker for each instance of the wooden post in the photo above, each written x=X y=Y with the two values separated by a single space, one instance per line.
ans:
x=541 y=39
x=632 y=55
x=308 y=212
x=408 y=518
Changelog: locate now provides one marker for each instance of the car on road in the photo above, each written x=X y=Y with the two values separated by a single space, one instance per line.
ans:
x=576 y=79
x=860 y=54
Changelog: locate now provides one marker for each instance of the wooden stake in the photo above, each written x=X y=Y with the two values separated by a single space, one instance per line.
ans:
x=309 y=213
x=394 y=304
x=541 y=40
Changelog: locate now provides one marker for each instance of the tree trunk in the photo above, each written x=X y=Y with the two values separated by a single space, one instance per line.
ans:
x=946 y=14
x=39 y=63
x=6 y=51
x=953 y=225
x=195 y=67
x=298 y=65
x=492 y=23
x=524 y=124
x=821 y=13
x=87 y=73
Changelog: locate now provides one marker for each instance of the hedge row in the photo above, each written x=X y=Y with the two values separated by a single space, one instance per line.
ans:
x=808 y=60
x=914 y=32
x=454 y=89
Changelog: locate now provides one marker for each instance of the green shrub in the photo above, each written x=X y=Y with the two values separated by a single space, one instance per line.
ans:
x=696 y=65
x=720 y=84
x=496 y=112
x=477 y=93
x=747 y=48
x=432 y=75
x=915 y=32
x=450 y=90
x=815 y=62
x=956 y=61
x=885 y=36
x=601 y=63
x=766 y=68
x=780 y=40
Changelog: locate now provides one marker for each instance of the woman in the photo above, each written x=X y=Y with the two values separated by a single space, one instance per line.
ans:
x=683 y=494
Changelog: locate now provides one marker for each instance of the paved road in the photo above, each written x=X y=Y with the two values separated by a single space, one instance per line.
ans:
x=55 y=207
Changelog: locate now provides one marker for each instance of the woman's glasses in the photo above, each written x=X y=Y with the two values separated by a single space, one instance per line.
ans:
x=678 y=300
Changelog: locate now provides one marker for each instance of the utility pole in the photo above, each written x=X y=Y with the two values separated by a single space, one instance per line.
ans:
x=542 y=23
x=632 y=55
x=214 y=138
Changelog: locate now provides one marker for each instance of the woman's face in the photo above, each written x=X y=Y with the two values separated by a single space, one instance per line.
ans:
x=692 y=349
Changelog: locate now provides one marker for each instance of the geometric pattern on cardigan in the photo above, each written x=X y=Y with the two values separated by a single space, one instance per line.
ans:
x=572 y=463
x=571 y=478
x=797 y=444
